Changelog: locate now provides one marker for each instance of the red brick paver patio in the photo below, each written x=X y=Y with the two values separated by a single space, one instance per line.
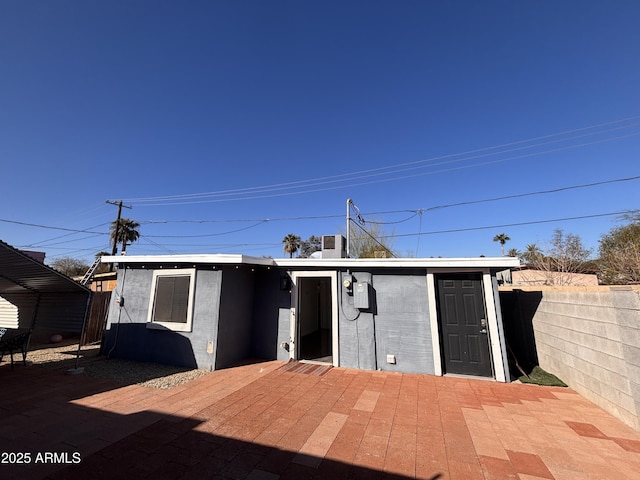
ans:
x=261 y=422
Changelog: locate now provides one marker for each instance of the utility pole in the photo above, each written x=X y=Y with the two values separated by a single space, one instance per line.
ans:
x=349 y=202
x=115 y=233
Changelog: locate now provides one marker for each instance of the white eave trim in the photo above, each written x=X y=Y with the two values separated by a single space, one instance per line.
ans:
x=215 y=259
x=481 y=262
x=295 y=263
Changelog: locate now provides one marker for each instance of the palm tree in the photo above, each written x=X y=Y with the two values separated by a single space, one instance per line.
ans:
x=127 y=232
x=502 y=238
x=532 y=254
x=291 y=244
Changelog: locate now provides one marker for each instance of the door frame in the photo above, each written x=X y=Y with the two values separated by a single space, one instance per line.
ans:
x=497 y=344
x=293 y=335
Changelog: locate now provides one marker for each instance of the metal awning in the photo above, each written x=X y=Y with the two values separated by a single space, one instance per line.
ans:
x=20 y=273
x=43 y=295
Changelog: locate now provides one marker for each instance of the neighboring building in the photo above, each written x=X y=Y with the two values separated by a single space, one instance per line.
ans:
x=100 y=282
x=434 y=316
x=37 y=256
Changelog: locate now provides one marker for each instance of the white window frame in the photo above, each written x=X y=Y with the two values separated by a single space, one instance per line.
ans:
x=174 y=326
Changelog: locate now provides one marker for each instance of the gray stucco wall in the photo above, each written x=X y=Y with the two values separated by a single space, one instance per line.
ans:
x=397 y=323
x=236 y=311
x=590 y=338
x=271 y=307
x=403 y=324
x=128 y=337
x=356 y=327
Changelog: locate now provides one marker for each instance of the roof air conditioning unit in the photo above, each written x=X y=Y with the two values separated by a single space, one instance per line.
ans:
x=334 y=246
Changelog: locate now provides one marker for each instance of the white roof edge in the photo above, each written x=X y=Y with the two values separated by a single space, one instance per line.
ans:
x=466 y=262
x=480 y=262
x=189 y=258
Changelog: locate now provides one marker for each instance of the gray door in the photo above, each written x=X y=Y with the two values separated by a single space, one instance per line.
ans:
x=462 y=321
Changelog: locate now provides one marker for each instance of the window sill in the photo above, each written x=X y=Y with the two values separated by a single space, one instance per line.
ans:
x=176 y=327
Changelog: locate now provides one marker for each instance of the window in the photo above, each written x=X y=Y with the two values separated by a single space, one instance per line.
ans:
x=171 y=303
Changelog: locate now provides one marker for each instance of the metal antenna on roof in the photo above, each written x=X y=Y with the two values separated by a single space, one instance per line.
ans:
x=420 y=212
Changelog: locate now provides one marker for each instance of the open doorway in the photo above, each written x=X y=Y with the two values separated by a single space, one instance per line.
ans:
x=314 y=319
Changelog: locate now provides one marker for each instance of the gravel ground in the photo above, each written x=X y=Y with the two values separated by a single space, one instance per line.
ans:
x=152 y=375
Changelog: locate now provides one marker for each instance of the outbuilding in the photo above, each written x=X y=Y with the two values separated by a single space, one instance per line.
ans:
x=417 y=315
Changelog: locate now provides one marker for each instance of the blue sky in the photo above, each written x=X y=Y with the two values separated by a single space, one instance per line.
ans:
x=210 y=118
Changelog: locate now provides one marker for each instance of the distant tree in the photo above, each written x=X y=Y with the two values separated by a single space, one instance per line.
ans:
x=127 y=232
x=370 y=242
x=310 y=245
x=513 y=252
x=619 y=261
x=565 y=257
x=502 y=238
x=291 y=244
x=70 y=266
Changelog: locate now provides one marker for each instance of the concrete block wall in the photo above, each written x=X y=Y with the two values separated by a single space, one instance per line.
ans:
x=590 y=338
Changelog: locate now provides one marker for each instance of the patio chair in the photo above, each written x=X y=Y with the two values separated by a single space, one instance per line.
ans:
x=13 y=344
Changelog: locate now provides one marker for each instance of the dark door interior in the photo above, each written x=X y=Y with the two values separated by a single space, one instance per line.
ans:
x=314 y=319
x=463 y=329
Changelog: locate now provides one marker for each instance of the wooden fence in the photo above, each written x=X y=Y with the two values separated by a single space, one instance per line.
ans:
x=97 y=317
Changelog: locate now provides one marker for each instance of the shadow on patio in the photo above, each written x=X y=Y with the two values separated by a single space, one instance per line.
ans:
x=259 y=421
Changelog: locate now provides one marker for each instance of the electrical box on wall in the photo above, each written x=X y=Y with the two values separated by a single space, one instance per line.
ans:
x=347 y=283
x=361 y=294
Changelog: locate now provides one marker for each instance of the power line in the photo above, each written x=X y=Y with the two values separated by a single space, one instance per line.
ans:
x=414 y=212
x=303 y=182
x=376 y=222
x=155 y=244
x=50 y=227
x=70 y=252
x=519 y=224
x=539 y=192
x=239 y=193
x=374 y=238
x=301 y=218
x=208 y=234
x=435 y=232
x=218 y=245
x=258 y=222
x=239 y=220
x=389 y=179
x=66 y=242
x=35 y=244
